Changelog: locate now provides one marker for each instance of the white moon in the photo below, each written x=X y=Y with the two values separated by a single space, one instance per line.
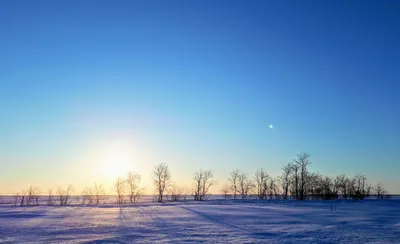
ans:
x=271 y=126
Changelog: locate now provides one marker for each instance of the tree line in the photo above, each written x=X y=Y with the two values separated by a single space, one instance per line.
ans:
x=298 y=183
x=295 y=182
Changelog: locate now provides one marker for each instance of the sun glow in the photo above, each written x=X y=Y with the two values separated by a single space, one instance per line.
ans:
x=117 y=160
x=116 y=164
x=108 y=160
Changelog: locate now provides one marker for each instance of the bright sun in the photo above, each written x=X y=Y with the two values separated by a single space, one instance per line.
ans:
x=116 y=164
x=117 y=160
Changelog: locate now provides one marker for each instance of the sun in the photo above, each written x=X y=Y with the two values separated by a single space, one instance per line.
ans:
x=116 y=164
x=108 y=160
x=117 y=160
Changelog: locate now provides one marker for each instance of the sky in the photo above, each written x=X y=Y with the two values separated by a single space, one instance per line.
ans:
x=92 y=89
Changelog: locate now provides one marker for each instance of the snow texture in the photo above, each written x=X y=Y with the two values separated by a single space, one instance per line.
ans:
x=213 y=221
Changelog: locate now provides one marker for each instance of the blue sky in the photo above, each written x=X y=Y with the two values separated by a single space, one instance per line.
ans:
x=197 y=84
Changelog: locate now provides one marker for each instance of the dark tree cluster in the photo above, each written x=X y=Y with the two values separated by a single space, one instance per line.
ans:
x=298 y=183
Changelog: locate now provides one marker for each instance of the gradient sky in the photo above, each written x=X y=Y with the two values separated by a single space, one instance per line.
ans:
x=89 y=85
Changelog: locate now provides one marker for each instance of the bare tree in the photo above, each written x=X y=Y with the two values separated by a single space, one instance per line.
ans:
x=161 y=178
x=32 y=196
x=64 y=196
x=133 y=182
x=302 y=162
x=336 y=187
x=68 y=193
x=326 y=186
x=342 y=182
x=234 y=179
x=19 y=198
x=120 y=187
x=197 y=186
x=176 y=193
x=295 y=180
x=368 y=189
x=29 y=196
x=98 y=193
x=351 y=188
x=245 y=185
x=204 y=180
x=272 y=189
x=87 y=196
x=137 y=195
x=15 y=197
x=314 y=186
x=60 y=193
x=225 y=191
x=261 y=178
x=36 y=196
x=50 y=197
x=285 y=180
x=380 y=191
x=360 y=181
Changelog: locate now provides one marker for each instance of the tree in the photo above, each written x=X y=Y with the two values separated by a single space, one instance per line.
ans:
x=204 y=180
x=133 y=182
x=120 y=187
x=60 y=194
x=245 y=185
x=50 y=197
x=380 y=191
x=98 y=193
x=368 y=189
x=32 y=196
x=302 y=162
x=285 y=180
x=161 y=178
x=64 y=196
x=342 y=182
x=16 y=198
x=19 y=197
x=335 y=188
x=87 y=196
x=27 y=197
x=326 y=186
x=261 y=179
x=294 y=168
x=360 y=186
x=314 y=186
x=351 y=188
x=272 y=188
x=225 y=191
x=234 y=179
x=176 y=193
x=67 y=195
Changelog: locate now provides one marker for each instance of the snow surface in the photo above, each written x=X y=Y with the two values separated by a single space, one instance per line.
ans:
x=213 y=221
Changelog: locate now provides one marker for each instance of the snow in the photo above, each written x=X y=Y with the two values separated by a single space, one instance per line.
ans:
x=213 y=221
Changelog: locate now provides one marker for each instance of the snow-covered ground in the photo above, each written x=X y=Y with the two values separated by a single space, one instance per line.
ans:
x=213 y=221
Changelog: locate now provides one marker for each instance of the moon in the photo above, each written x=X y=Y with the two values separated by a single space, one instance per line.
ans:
x=271 y=126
